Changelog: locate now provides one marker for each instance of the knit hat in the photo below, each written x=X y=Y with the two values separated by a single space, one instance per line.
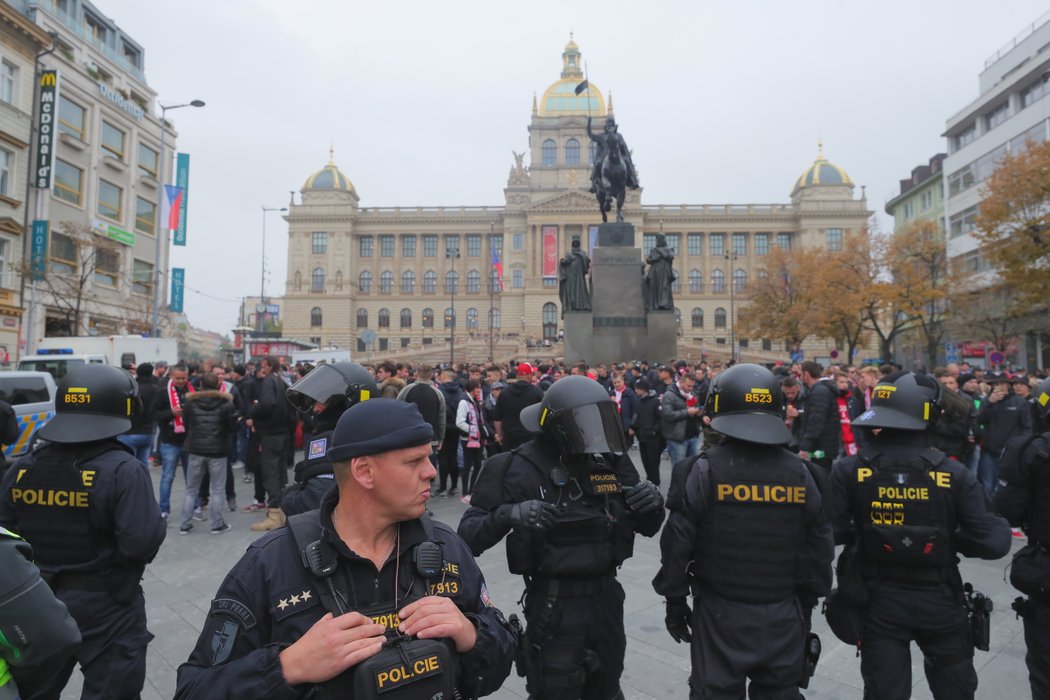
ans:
x=376 y=426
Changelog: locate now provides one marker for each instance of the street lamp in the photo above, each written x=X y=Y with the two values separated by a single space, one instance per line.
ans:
x=262 y=280
x=492 y=293
x=451 y=253
x=731 y=257
x=154 y=330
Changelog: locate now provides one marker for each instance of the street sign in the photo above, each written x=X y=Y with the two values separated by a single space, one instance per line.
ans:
x=368 y=336
x=798 y=356
x=996 y=358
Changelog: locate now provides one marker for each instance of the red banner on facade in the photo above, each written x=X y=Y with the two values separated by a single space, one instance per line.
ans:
x=550 y=251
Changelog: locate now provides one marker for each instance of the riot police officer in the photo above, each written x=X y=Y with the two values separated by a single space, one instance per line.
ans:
x=1023 y=499
x=321 y=397
x=572 y=501
x=905 y=512
x=363 y=598
x=747 y=536
x=87 y=507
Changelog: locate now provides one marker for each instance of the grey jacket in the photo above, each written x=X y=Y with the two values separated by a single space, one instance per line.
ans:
x=673 y=414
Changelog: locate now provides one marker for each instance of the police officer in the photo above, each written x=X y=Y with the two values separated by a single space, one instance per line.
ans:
x=572 y=501
x=321 y=397
x=747 y=535
x=905 y=511
x=307 y=609
x=1023 y=499
x=87 y=506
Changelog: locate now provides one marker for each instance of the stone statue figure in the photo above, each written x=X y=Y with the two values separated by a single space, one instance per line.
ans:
x=573 y=287
x=613 y=172
x=660 y=277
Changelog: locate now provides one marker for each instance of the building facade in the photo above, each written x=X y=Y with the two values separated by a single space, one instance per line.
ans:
x=393 y=278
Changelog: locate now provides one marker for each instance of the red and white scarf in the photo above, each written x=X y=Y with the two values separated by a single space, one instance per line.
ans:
x=473 y=426
x=849 y=442
x=173 y=401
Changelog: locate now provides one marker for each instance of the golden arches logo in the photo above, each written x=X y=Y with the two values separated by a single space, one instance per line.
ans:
x=48 y=79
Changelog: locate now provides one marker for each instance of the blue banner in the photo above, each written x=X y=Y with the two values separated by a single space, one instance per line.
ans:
x=182 y=179
x=38 y=255
x=178 y=279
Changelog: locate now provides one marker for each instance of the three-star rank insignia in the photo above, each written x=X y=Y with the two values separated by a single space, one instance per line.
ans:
x=292 y=602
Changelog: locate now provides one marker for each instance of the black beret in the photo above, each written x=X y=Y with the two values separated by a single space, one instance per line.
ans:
x=378 y=425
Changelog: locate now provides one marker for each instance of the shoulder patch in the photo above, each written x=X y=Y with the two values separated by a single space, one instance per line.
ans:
x=317 y=449
x=486 y=599
x=235 y=609
x=222 y=641
x=292 y=602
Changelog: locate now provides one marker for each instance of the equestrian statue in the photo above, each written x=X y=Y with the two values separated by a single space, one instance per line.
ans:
x=613 y=172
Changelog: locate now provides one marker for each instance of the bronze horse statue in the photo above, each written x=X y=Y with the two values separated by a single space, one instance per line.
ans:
x=612 y=183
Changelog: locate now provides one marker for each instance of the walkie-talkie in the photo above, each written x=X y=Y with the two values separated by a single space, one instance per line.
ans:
x=429 y=560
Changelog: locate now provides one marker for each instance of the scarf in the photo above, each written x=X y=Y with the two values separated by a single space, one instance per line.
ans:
x=474 y=430
x=849 y=443
x=690 y=399
x=173 y=401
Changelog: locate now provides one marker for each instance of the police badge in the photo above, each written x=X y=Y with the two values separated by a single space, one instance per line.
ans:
x=222 y=642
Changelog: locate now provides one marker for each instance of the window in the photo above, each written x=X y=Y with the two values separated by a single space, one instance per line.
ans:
x=450 y=317
x=451 y=282
x=430 y=245
x=834 y=238
x=8 y=82
x=674 y=242
x=517 y=241
x=63 y=254
x=767 y=345
x=784 y=241
x=428 y=318
x=364 y=282
x=572 y=152
x=7 y=159
x=141 y=277
x=494 y=318
x=926 y=200
x=95 y=28
x=473 y=245
x=452 y=249
x=364 y=247
x=112 y=140
x=720 y=317
x=962 y=223
x=550 y=313
x=473 y=281
x=1035 y=91
x=107 y=267
x=406 y=318
x=1036 y=134
x=762 y=243
x=494 y=281
x=145 y=216
x=965 y=136
x=496 y=246
x=362 y=318
x=317 y=280
x=472 y=318
x=430 y=282
x=319 y=242
x=148 y=161
x=71 y=118
x=384 y=318
x=676 y=282
x=718 y=244
x=718 y=282
x=997 y=116
x=549 y=153
x=518 y=279
x=386 y=246
x=648 y=243
x=110 y=200
x=408 y=246
x=739 y=244
x=694 y=243
x=961 y=180
x=697 y=317
x=739 y=281
x=909 y=210
x=696 y=281
x=69 y=182
x=386 y=282
x=408 y=282
x=315 y=317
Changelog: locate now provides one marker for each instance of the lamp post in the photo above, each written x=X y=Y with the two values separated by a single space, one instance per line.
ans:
x=451 y=253
x=492 y=293
x=262 y=276
x=731 y=258
x=154 y=329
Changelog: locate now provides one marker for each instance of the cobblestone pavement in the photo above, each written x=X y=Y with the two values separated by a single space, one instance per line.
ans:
x=180 y=584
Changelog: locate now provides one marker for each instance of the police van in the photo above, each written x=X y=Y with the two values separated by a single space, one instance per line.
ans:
x=32 y=395
x=58 y=361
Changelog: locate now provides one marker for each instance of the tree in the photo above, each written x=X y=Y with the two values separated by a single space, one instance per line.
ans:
x=987 y=312
x=781 y=304
x=917 y=261
x=842 y=289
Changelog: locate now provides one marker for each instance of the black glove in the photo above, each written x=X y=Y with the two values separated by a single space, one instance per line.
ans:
x=644 y=497
x=528 y=515
x=679 y=620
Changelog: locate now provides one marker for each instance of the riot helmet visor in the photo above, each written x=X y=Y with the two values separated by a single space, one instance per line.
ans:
x=590 y=429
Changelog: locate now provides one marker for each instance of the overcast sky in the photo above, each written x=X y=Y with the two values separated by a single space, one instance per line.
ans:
x=721 y=102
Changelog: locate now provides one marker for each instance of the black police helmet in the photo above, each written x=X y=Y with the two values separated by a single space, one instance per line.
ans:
x=1041 y=396
x=902 y=401
x=338 y=386
x=94 y=402
x=580 y=415
x=745 y=402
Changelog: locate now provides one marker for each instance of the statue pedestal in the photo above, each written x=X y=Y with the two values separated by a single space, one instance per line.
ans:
x=578 y=340
x=662 y=340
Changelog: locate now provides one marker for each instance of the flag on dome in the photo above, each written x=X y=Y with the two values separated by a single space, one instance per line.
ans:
x=581 y=87
x=498 y=267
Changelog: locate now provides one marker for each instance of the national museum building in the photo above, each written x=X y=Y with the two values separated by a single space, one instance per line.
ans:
x=393 y=275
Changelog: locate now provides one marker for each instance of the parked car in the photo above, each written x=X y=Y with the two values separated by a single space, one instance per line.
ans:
x=32 y=395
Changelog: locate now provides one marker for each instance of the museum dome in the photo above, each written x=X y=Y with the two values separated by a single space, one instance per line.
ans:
x=329 y=178
x=560 y=99
x=822 y=172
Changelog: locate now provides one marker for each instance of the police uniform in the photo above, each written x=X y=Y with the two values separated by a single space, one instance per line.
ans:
x=270 y=598
x=747 y=536
x=905 y=511
x=566 y=499
x=87 y=507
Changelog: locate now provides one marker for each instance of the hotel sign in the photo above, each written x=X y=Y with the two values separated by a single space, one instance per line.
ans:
x=121 y=101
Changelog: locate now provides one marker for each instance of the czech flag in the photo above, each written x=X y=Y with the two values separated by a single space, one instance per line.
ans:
x=498 y=266
x=172 y=206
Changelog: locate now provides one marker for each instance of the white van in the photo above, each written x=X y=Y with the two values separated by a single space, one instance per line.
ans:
x=57 y=362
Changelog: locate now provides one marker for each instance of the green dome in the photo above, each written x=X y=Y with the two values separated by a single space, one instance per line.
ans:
x=823 y=172
x=329 y=178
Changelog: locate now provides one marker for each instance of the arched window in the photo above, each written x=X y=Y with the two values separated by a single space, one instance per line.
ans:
x=572 y=152
x=384 y=318
x=720 y=317
x=315 y=317
x=718 y=281
x=406 y=318
x=494 y=318
x=338 y=280
x=298 y=281
x=362 y=318
x=676 y=282
x=408 y=282
x=472 y=318
x=474 y=281
x=549 y=153
x=697 y=317
x=696 y=281
x=550 y=312
x=450 y=317
x=364 y=282
x=739 y=280
x=386 y=282
x=317 y=280
x=494 y=285
x=428 y=318
x=430 y=282
x=451 y=282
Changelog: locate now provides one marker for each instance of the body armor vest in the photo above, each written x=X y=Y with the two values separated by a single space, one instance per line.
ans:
x=1025 y=462
x=752 y=535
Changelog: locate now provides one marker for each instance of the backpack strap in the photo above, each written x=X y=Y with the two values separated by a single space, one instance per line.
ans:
x=320 y=561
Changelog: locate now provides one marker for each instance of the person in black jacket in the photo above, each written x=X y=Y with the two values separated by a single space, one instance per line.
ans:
x=1003 y=416
x=270 y=418
x=953 y=432
x=167 y=409
x=647 y=429
x=821 y=428
x=520 y=394
x=210 y=420
x=140 y=436
x=448 y=465
x=627 y=403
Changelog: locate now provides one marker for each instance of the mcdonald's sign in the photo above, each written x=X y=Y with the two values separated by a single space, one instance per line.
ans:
x=45 y=141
